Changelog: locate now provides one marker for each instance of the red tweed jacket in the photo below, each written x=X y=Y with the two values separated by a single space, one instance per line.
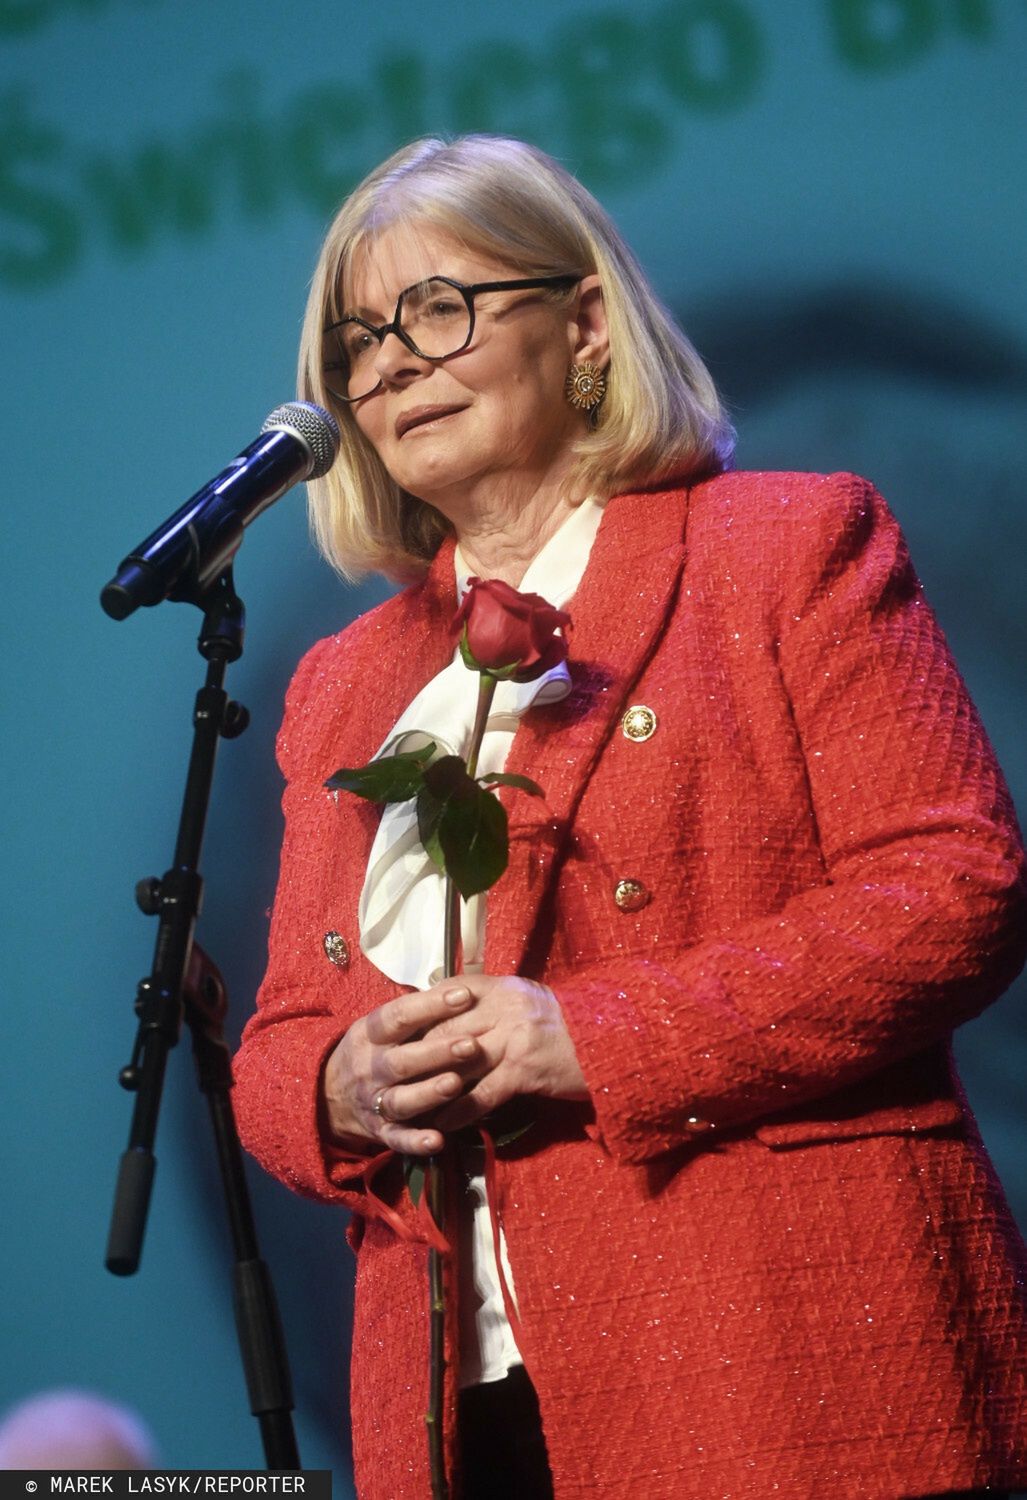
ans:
x=770 y=1257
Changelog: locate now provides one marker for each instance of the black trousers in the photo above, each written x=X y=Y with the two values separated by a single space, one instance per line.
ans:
x=502 y=1450
x=503 y=1453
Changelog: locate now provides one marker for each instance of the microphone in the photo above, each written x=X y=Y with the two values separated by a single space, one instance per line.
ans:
x=194 y=546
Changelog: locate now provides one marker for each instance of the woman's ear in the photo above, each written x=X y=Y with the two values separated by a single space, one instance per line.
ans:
x=590 y=333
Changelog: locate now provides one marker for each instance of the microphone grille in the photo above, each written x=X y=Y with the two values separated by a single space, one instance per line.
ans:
x=315 y=427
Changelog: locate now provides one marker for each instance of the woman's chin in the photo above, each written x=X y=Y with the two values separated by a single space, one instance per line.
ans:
x=440 y=482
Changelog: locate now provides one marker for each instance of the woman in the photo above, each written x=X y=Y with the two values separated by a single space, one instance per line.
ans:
x=749 y=1243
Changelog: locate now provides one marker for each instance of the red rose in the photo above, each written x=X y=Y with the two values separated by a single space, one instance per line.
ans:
x=501 y=629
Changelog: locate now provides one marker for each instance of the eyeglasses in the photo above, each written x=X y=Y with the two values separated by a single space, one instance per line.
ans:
x=434 y=318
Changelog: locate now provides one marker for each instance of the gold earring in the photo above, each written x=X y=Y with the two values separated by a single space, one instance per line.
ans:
x=586 y=385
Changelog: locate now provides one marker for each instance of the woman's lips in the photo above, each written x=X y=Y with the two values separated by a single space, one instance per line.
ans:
x=418 y=416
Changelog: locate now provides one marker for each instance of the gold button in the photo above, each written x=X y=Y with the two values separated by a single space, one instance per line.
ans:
x=630 y=895
x=639 y=723
x=699 y=1127
x=336 y=949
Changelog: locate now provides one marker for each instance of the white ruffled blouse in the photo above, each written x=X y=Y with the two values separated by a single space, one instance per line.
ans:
x=402 y=905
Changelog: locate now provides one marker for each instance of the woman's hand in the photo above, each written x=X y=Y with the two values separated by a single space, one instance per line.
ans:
x=388 y=1057
x=416 y=1055
x=521 y=1045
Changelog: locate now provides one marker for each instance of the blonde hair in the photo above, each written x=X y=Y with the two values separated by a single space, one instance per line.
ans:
x=509 y=201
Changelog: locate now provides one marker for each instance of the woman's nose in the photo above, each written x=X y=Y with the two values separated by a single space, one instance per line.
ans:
x=397 y=363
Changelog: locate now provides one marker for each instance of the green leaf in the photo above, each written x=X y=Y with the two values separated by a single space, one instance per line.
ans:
x=506 y=1138
x=508 y=778
x=429 y=811
x=463 y=827
x=421 y=755
x=414 y=1175
x=448 y=778
x=397 y=778
x=474 y=840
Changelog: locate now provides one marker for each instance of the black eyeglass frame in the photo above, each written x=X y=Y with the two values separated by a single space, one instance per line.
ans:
x=520 y=284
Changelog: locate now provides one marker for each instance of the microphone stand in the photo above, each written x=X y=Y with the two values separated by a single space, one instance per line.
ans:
x=185 y=984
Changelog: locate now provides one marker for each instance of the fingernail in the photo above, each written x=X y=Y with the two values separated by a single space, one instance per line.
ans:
x=429 y=1143
x=465 y=1047
x=457 y=997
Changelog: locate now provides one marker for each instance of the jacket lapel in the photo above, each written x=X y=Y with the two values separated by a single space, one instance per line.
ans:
x=617 y=616
x=412 y=630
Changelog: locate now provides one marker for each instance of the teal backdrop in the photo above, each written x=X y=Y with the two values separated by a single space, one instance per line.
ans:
x=831 y=196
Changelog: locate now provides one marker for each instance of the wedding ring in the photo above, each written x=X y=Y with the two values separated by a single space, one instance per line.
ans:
x=377 y=1107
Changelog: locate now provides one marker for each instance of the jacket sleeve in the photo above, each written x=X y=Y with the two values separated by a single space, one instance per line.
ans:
x=286 y=1042
x=920 y=921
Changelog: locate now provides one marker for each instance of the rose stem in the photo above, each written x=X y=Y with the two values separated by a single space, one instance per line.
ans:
x=434 y=1187
x=486 y=689
x=435 y=1184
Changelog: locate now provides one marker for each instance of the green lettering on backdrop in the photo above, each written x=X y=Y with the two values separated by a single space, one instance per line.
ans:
x=181 y=187
x=878 y=35
x=709 y=53
x=242 y=149
x=400 y=92
x=615 y=133
x=21 y=17
x=54 y=233
x=155 y=187
x=601 y=88
x=322 y=122
x=974 y=17
x=490 y=87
